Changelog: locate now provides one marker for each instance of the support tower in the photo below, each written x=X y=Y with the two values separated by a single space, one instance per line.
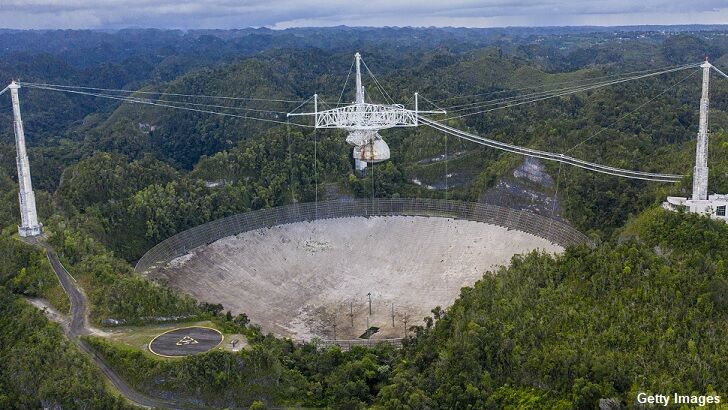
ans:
x=701 y=202
x=700 y=173
x=29 y=217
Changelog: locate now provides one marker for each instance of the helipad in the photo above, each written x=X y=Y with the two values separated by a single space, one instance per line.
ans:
x=185 y=341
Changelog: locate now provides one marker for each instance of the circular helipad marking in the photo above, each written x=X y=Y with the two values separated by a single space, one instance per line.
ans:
x=185 y=341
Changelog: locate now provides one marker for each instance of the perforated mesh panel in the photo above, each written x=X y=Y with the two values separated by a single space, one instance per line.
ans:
x=178 y=245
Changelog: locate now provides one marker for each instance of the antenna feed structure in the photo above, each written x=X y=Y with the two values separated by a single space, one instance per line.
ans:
x=363 y=120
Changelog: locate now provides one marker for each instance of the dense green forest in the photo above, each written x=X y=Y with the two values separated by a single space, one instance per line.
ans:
x=548 y=332
x=644 y=310
x=39 y=366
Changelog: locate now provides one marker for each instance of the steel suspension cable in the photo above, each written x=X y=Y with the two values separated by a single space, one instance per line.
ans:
x=290 y=159
x=228 y=107
x=554 y=200
x=119 y=90
x=580 y=87
x=302 y=104
x=315 y=167
x=433 y=104
x=376 y=82
x=561 y=158
x=134 y=100
x=631 y=112
x=585 y=80
x=496 y=101
x=341 y=95
x=625 y=173
x=542 y=95
x=720 y=72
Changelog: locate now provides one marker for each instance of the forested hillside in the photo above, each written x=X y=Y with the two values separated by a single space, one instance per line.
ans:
x=38 y=365
x=588 y=324
x=645 y=313
x=644 y=310
x=67 y=131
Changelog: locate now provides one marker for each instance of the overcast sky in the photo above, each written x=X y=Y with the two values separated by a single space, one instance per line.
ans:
x=188 y=14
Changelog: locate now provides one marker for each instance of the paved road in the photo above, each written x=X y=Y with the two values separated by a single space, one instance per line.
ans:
x=79 y=327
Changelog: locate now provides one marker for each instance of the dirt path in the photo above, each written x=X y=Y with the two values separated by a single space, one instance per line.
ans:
x=78 y=326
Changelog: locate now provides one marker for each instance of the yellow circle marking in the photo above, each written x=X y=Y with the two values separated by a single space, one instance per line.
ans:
x=222 y=337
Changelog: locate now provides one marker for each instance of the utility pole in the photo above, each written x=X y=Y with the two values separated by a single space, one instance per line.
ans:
x=29 y=225
x=392 y=314
x=334 y=329
x=700 y=173
x=370 y=302
x=351 y=313
x=404 y=319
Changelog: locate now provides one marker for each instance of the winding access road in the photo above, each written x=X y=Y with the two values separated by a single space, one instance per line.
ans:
x=78 y=326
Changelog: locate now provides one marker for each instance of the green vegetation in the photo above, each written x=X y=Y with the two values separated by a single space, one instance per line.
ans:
x=132 y=175
x=588 y=324
x=38 y=365
x=26 y=271
x=645 y=310
x=548 y=331
x=272 y=371
x=114 y=289
x=216 y=377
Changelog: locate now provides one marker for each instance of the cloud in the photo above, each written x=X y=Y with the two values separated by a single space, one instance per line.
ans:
x=289 y=13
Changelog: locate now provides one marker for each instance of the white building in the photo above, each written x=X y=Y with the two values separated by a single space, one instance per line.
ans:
x=701 y=203
x=715 y=205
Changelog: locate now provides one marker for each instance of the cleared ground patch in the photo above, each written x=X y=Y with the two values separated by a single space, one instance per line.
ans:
x=315 y=279
x=139 y=336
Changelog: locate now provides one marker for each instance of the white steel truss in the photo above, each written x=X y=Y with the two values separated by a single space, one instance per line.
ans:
x=363 y=121
x=366 y=117
x=363 y=116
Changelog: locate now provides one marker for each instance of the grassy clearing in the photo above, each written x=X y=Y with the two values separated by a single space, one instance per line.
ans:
x=139 y=337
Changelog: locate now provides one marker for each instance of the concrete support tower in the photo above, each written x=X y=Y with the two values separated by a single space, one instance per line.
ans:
x=28 y=215
x=714 y=205
x=700 y=173
x=359 y=165
x=359 y=88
